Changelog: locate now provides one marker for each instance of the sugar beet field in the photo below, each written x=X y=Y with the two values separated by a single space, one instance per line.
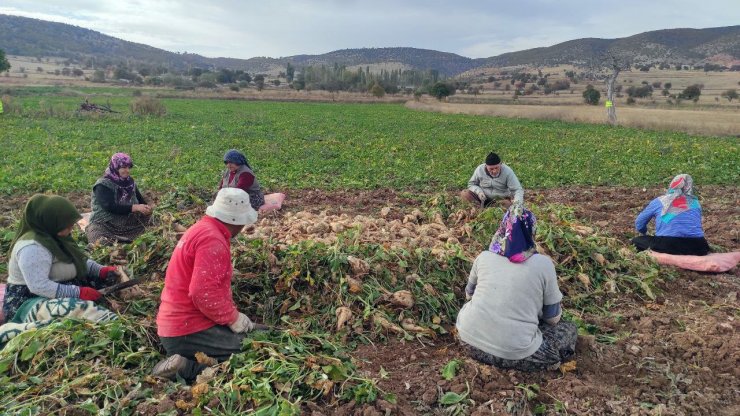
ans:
x=363 y=271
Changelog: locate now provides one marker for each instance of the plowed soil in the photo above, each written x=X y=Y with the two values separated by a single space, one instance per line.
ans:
x=679 y=355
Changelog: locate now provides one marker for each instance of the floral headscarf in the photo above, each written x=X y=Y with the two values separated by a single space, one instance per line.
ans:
x=514 y=238
x=127 y=185
x=679 y=197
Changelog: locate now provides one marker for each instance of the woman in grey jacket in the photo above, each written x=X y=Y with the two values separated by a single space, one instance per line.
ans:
x=512 y=317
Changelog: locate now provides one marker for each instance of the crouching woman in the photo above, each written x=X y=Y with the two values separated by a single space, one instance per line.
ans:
x=48 y=275
x=512 y=317
x=677 y=216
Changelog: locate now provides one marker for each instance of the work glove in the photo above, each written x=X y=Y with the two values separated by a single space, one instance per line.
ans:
x=88 y=293
x=242 y=324
x=108 y=273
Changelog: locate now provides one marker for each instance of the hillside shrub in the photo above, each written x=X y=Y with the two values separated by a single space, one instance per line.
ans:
x=591 y=95
x=377 y=91
x=441 y=90
x=640 y=92
x=9 y=106
x=148 y=106
x=692 y=92
x=98 y=76
x=557 y=86
x=730 y=94
x=206 y=84
x=630 y=101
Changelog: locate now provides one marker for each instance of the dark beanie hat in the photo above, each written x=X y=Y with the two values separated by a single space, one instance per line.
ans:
x=492 y=159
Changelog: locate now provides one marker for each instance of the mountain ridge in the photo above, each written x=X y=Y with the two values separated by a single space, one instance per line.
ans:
x=33 y=37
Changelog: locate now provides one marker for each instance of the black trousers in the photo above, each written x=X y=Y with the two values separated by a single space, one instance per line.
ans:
x=696 y=246
x=217 y=342
x=558 y=346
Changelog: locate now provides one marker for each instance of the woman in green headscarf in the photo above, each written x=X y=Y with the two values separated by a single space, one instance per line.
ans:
x=45 y=261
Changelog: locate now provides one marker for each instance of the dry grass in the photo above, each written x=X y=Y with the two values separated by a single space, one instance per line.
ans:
x=148 y=106
x=708 y=123
x=283 y=94
x=715 y=83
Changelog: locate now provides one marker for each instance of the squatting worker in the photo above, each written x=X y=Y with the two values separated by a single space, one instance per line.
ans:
x=49 y=276
x=512 y=317
x=119 y=211
x=239 y=174
x=197 y=312
x=492 y=180
x=677 y=216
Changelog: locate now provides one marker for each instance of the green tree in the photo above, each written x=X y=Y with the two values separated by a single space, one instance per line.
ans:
x=289 y=72
x=730 y=94
x=4 y=64
x=692 y=92
x=591 y=95
x=98 y=76
x=377 y=90
x=441 y=90
x=259 y=82
x=300 y=81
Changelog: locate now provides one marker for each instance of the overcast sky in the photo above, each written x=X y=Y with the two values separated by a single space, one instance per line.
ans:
x=277 y=28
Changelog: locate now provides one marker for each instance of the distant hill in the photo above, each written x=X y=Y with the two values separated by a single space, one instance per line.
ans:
x=33 y=37
x=672 y=46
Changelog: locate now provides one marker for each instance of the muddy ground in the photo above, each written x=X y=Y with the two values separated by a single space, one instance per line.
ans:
x=679 y=355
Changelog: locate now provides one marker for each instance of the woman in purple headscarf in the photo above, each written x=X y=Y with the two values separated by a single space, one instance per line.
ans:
x=512 y=317
x=119 y=211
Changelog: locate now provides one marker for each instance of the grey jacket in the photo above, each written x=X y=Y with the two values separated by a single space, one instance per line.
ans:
x=506 y=184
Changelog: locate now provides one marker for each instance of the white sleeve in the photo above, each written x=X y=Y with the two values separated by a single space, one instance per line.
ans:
x=35 y=264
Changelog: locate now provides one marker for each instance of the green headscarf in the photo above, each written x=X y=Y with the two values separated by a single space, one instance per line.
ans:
x=43 y=218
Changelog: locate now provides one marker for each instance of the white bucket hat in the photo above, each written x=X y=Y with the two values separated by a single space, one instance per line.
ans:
x=232 y=207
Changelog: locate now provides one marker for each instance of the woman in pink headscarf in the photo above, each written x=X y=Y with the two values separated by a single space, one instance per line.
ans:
x=677 y=216
x=119 y=211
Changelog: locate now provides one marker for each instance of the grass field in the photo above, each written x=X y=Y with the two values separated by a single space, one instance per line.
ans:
x=363 y=271
x=298 y=145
